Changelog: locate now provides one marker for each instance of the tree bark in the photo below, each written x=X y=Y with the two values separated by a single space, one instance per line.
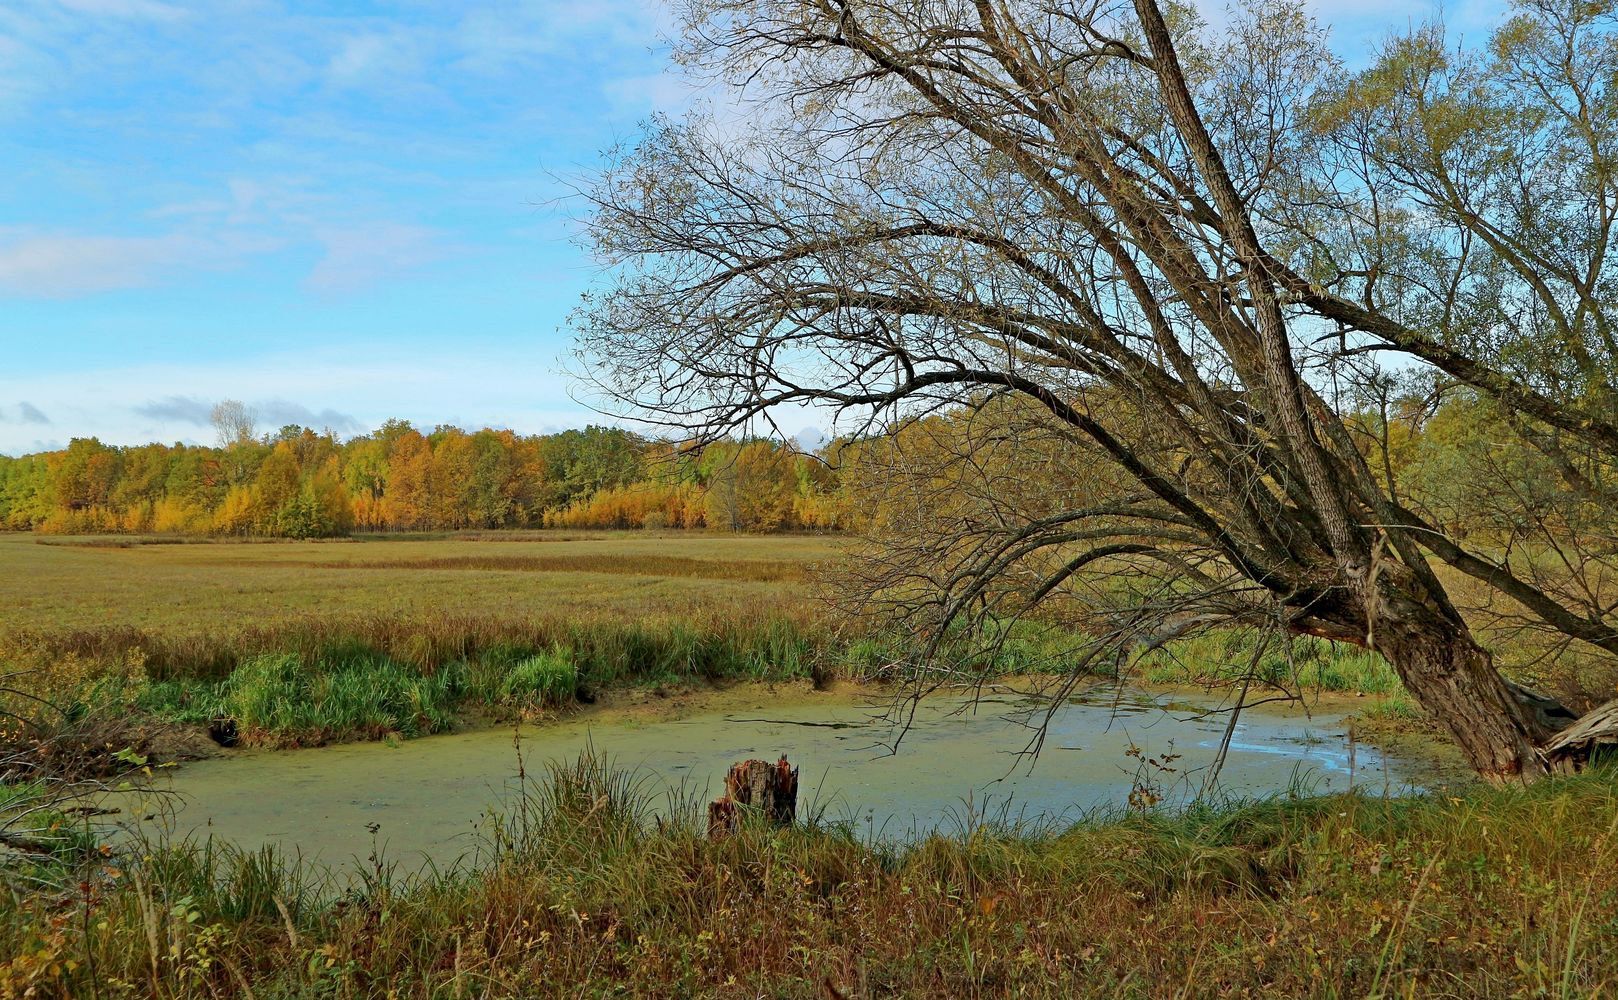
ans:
x=1455 y=681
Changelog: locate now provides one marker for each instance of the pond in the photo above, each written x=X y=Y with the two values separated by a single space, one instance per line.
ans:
x=958 y=759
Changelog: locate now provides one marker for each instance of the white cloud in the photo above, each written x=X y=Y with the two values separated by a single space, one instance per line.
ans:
x=55 y=265
x=23 y=71
x=391 y=59
x=60 y=265
x=499 y=38
x=358 y=56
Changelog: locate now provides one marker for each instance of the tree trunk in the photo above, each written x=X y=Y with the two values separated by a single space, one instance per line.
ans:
x=1455 y=681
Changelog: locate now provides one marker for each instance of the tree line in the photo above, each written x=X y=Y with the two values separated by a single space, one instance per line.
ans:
x=1442 y=451
x=302 y=483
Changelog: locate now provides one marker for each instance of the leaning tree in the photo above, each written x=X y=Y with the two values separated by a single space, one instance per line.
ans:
x=1192 y=250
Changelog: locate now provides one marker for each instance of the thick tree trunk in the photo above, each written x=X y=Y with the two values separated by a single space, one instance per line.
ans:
x=1455 y=680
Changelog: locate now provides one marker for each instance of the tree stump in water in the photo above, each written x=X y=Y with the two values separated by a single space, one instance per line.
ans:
x=771 y=789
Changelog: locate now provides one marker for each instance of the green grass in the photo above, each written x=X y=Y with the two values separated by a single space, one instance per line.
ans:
x=1398 y=708
x=343 y=686
x=589 y=888
x=35 y=824
x=278 y=698
x=544 y=678
x=1305 y=663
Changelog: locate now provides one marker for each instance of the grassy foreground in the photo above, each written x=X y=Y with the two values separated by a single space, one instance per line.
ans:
x=590 y=891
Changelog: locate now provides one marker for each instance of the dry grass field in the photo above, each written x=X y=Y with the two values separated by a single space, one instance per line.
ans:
x=310 y=642
x=97 y=583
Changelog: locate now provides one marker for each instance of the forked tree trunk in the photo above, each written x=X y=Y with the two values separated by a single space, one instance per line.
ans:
x=1455 y=681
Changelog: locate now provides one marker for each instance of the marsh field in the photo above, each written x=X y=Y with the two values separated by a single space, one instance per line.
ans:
x=194 y=586
x=433 y=662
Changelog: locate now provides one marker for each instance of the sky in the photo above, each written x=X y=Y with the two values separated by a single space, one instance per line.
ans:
x=337 y=213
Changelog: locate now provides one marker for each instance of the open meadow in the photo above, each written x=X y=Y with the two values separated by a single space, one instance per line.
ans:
x=303 y=643
x=174 y=587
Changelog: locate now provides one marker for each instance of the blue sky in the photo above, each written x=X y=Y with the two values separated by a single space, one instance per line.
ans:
x=337 y=213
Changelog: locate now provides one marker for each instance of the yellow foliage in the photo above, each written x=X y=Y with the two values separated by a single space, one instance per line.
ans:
x=239 y=512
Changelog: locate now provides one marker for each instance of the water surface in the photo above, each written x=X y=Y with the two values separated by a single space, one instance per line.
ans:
x=431 y=796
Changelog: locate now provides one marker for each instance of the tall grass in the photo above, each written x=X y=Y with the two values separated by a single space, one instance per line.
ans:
x=1304 y=662
x=592 y=888
x=325 y=679
x=732 y=641
x=325 y=683
x=280 y=699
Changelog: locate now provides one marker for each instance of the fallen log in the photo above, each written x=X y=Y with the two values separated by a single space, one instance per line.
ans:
x=757 y=785
x=1595 y=731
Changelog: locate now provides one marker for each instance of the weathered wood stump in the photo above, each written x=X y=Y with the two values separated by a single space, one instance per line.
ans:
x=771 y=789
x=1595 y=733
x=722 y=817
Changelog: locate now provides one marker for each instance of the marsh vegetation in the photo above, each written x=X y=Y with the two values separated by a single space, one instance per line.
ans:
x=595 y=878
x=591 y=885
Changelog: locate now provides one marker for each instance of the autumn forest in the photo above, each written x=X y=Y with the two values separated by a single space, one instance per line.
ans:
x=1440 y=448
x=301 y=483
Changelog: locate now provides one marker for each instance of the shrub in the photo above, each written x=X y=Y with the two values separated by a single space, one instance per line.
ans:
x=542 y=679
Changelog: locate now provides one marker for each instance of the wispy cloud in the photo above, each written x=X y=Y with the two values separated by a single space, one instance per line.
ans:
x=178 y=410
x=31 y=414
x=145 y=10
x=64 y=265
x=57 y=265
x=135 y=10
x=387 y=58
x=500 y=37
x=23 y=71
